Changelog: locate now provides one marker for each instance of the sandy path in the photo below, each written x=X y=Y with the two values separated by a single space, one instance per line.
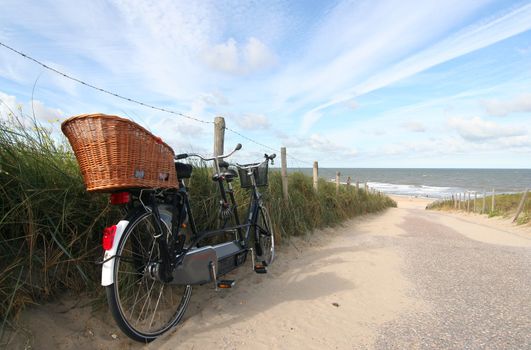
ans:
x=293 y=307
x=405 y=278
x=474 y=273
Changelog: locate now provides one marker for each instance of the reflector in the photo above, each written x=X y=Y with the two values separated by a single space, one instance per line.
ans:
x=120 y=198
x=108 y=237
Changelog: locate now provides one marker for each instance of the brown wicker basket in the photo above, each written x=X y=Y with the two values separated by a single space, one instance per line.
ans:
x=115 y=153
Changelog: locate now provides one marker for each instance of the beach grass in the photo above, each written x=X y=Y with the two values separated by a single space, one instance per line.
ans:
x=505 y=205
x=50 y=227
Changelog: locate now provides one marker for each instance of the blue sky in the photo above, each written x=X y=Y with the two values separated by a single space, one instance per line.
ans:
x=376 y=83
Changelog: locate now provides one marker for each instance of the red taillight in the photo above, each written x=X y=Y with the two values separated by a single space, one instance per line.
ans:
x=120 y=198
x=108 y=237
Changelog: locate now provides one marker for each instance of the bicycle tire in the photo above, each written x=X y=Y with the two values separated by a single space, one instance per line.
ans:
x=266 y=238
x=152 y=312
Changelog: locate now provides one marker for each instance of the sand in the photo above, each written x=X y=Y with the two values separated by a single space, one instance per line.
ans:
x=333 y=289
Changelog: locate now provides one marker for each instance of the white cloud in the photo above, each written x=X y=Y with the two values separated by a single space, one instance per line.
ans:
x=414 y=126
x=8 y=104
x=519 y=104
x=41 y=112
x=257 y=55
x=215 y=99
x=229 y=57
x=253 y=121
x=479 y=130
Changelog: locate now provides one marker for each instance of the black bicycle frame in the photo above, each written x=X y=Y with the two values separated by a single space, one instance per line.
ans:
x=173 y=251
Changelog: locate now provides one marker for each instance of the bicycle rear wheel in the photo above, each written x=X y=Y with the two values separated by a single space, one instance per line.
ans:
x=142 y=306
x=265 y=244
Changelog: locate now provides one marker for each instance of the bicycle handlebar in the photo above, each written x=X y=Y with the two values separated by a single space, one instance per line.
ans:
x=186 y=155
x=254 y=165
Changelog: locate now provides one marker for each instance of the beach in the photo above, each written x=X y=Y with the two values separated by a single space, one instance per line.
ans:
x=393 y=279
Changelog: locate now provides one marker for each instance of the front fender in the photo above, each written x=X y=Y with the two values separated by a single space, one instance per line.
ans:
x=107 y=276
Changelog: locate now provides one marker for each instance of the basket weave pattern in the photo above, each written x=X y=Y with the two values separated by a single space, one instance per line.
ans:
x=115 y=153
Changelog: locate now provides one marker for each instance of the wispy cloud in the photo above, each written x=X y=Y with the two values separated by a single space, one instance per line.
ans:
x=479 y=130
x=414 y=126
x=253 y=121
x=501 y=108
x=465 y=41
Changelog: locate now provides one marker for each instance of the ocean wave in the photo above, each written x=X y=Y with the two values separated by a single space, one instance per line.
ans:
x=414 y=190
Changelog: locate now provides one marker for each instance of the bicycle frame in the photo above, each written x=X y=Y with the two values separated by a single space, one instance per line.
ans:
x=178 y=261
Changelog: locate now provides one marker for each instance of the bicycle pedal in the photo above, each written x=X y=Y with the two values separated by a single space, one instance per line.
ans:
x=260 y=269
x=226 y=284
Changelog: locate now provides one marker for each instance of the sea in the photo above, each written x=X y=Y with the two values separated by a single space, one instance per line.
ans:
x=432 y=183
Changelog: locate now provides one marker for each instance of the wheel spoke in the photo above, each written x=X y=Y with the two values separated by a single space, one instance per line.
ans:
x=145 y=307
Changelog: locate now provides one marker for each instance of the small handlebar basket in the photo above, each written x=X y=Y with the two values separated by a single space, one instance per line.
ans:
x=115 y=153
x=260 y=174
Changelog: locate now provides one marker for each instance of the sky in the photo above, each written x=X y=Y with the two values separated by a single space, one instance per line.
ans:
x=376 y=83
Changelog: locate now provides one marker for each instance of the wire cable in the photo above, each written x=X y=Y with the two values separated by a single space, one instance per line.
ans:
x=104 y=90
x=128 y=99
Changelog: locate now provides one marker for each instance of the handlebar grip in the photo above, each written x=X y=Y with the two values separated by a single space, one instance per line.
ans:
x=181 y=156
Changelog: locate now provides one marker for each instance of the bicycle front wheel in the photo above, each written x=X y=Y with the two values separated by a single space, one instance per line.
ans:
x=265 y=238
x=142 y=306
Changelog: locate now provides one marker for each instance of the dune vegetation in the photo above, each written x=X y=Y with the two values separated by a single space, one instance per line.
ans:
x=505 y=205
x=50 y=227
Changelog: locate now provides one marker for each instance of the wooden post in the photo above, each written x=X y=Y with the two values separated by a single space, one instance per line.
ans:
x=357 y=186
x=493 y=206
x=338 y=174
x=475 y=199
x=284 y=172
x=521 y=205
x=315 y=175
x=468 y=203
x=219 y=135
x=459 y=201
x=366 y=187
x=484 y=207
x=349 y=180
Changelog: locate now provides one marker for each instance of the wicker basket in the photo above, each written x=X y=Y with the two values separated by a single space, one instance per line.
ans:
x=115 y=153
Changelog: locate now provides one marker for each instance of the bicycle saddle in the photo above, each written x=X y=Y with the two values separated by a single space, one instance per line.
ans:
x=184 y=171
x=228 y=174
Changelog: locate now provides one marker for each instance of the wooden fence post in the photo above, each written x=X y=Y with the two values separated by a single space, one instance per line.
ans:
x=284 y=172
x=468 y=203
x=475 y=199
x=366 y=187
x=459 y=201
x=484 y=207
x=219 y=135
x=349 y=180
x=493 y=207
x=338 y=174
x=315 y=175
x=357 y=186
x=521 y=205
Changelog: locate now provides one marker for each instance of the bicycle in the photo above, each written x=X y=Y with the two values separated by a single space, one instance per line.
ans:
x=150 y=265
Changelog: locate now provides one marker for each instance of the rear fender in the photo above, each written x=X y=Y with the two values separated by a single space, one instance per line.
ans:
x=107 y=276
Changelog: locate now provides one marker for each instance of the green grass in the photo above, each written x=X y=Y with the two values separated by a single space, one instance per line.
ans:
x=50 y=227
x=505 y=205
